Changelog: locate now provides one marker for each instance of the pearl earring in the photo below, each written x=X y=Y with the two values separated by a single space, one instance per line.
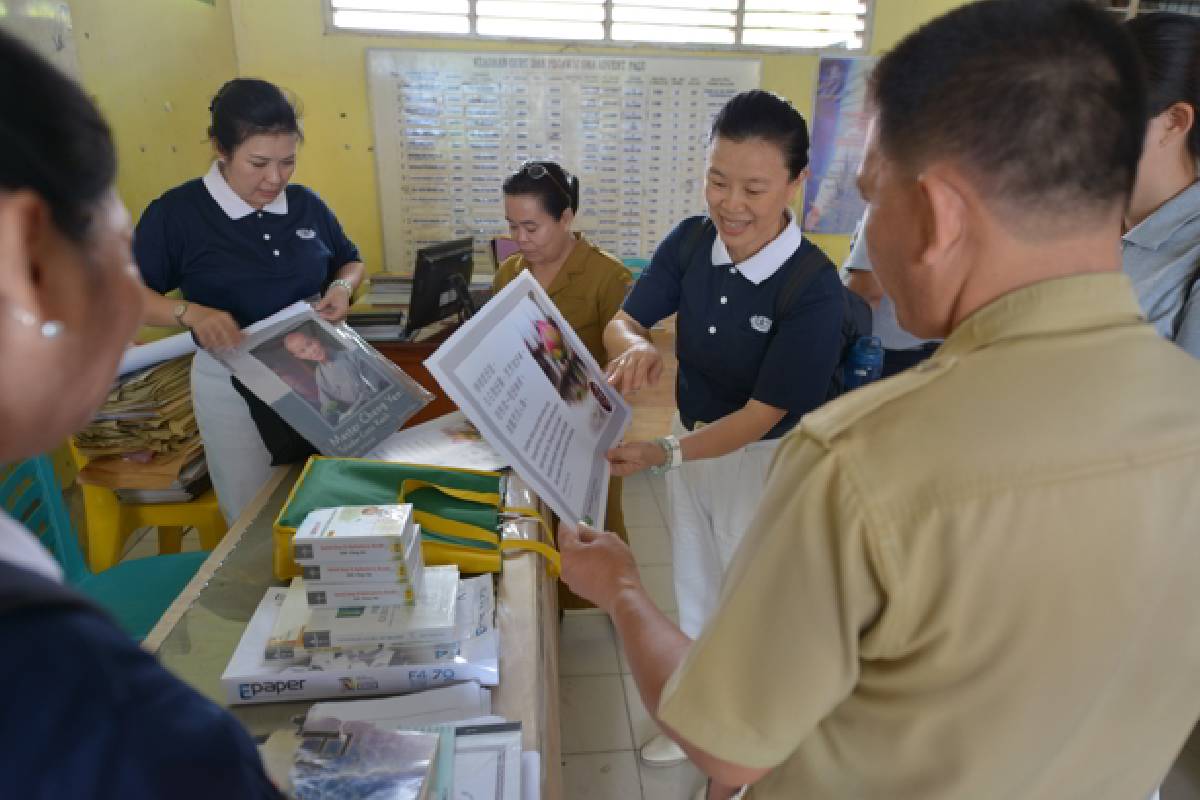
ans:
x=51 y=329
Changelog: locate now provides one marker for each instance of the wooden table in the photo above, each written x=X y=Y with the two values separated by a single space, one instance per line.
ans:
x=198 y=633
x=410 y=357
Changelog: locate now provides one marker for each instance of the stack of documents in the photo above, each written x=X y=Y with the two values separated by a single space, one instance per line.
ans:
x=377 y=326
x=143 y=442
x=390 y=289
x=379 y=650
x=354 y=556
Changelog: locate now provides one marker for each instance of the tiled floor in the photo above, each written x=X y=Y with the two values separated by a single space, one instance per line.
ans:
x=603 y=719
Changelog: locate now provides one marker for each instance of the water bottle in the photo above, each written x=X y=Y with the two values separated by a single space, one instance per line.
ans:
x=864 y=364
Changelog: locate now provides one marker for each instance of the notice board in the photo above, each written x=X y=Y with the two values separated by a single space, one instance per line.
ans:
x=450 y=126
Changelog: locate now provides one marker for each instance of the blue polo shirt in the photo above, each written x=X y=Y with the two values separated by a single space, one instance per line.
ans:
x=88 y=713
x=731 y=346
x=222 y=253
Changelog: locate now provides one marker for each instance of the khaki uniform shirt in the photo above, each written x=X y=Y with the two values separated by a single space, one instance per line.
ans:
x=978 y=579
x=588 y=290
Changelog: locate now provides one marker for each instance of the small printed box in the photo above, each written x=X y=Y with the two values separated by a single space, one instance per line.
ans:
x=355 y=533
x=336 y=595
x=429 y=621
x=386 y=572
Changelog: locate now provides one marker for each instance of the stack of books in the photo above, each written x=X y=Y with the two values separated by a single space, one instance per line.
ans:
x=390 y=289
x=354 y=556
x=377 y=325
x=363 y=584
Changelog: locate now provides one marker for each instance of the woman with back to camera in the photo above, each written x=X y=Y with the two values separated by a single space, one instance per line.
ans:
x=87 y=712
x=757 y=346
x=240 y=244
x=586 y=284
x=1161 y=246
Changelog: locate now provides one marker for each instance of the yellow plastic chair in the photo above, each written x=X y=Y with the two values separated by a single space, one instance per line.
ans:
x=109 y=522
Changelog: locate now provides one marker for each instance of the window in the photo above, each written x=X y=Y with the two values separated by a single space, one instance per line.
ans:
x=767 y=24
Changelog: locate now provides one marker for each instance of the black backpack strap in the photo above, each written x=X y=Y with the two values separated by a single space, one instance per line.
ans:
x=22 y=589
x=691 y=243
x=801 y=277
x=1188 y=290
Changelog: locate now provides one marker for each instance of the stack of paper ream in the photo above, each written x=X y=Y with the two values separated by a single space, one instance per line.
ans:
x=469 y=652
x=352 y=556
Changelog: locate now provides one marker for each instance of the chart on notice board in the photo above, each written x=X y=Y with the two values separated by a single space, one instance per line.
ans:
x=450 y=126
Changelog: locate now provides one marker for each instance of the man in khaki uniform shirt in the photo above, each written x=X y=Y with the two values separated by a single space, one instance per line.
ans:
x=980 y=578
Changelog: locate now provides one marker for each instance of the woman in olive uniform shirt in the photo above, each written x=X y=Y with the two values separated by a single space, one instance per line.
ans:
x=587 y=284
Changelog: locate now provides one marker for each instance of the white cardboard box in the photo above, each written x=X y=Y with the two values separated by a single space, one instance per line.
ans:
x=348 y=595
x=355 y=534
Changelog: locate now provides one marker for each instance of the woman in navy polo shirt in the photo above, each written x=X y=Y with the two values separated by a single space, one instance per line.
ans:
x=753 y=355
x=240 y=244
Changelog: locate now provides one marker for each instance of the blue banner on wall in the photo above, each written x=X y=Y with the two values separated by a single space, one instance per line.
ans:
x=839 y=130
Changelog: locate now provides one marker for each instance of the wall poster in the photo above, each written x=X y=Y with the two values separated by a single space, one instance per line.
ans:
x=832 y=203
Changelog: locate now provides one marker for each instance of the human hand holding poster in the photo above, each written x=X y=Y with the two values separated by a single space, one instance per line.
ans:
x=522 y=376
x=337 y=391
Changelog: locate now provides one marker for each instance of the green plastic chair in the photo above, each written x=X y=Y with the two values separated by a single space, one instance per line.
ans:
x=636 y=265
x=136 y=592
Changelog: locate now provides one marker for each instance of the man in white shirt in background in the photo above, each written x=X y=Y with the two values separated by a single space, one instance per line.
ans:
x=901 y=349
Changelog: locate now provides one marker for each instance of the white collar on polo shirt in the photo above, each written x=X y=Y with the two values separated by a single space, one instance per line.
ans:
x=763 y=264
x=19 y=548
x=234 y=206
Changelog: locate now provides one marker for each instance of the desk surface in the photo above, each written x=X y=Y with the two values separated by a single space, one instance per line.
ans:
x=198 y=633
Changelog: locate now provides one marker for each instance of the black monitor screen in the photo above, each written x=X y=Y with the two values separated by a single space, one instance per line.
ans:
x=441 y=282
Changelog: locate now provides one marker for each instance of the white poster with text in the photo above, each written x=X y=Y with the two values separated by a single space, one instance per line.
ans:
x=522 y=376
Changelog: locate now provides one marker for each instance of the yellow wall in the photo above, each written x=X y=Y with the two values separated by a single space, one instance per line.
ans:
x=155 y=88
x=153 y=66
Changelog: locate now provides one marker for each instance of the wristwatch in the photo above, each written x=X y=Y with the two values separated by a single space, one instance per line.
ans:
x=673 y=452
x=180 y=310
x=345 y=284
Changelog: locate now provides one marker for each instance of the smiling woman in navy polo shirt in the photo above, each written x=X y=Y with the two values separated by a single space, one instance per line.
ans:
x=754 y=355
x=240 y=244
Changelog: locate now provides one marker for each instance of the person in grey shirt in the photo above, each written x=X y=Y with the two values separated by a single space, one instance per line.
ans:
x=901 y=349
x=1161 y=246
x=342 y=380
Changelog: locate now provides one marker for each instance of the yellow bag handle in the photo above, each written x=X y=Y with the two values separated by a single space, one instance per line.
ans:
x=483 y=498
x=453 y=527
x=468 y=531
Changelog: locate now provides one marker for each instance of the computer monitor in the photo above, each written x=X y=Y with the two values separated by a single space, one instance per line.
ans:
x=441 y=283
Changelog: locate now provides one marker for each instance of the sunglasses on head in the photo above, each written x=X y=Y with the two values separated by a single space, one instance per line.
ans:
x=538 y=170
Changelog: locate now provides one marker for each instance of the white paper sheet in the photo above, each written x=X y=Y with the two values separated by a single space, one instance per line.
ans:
x=456 y=703
x=141 y=356
x=448 y=441
x=523 y=377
